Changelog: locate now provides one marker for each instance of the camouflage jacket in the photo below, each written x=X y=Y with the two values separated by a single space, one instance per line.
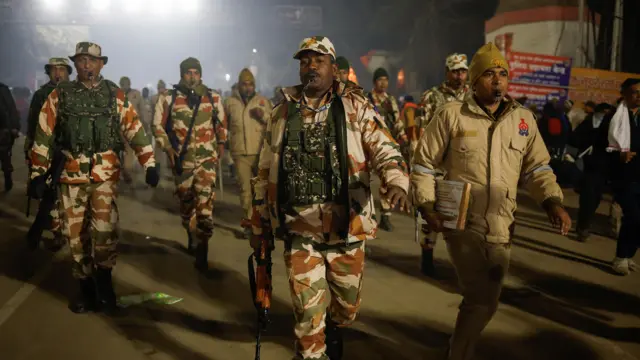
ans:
x=106 y=165
x=201 y=147
x=386 y=103
x=38 y=100
x=436 y=97
x=369 y=143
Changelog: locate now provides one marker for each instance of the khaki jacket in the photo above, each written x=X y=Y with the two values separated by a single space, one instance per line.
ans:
x=493 y=155
x=247 y=133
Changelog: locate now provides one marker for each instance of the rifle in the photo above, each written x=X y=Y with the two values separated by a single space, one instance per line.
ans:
x=48 y=199
x=260 y=283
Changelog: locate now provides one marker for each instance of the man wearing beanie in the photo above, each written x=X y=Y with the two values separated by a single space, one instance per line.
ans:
x=313 y=189
x=248 y=113
x=343 y=70
x=189 y=122
x=491 y=142
x=387 y=107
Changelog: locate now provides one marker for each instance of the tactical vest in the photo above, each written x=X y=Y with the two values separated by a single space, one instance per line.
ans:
x=387 y=116
x=88 y=120
x=310 y=171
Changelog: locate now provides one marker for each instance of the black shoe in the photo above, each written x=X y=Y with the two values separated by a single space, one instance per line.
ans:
x=426 y=263
x=202 y=253
x=385 y=223
x=333 y=340
x=8 y=182
x=85 y=298
x=583 y=235
x=107 y=296
x=190 y=244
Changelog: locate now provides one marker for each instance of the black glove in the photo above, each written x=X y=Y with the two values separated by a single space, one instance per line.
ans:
x=152 y=177
x=37 y=187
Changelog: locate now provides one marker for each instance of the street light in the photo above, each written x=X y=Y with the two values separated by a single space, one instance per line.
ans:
x=227 y=77
x=255 y=51
x=100 y=5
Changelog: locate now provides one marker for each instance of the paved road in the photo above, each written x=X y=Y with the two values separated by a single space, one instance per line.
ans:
x=560 y=302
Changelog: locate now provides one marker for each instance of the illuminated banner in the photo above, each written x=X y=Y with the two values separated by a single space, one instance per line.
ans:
x=537 y=95
x=537 y=69
x=597 y=85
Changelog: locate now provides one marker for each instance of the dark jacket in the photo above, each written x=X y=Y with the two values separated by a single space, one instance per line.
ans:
x=622 y=173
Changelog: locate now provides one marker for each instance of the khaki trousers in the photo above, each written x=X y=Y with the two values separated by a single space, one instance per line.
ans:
x=246 y=167
x=481 y=268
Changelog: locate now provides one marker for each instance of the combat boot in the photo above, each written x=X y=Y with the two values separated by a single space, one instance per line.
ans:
x=333 y=340
x=107 y=296
x=8 y=182
x=385 y=223
x=426 y=263
x=85 y=298
x=202 y=253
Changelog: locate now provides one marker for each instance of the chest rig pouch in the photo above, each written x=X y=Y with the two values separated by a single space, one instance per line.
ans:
x=313 y=166
x=88 y=120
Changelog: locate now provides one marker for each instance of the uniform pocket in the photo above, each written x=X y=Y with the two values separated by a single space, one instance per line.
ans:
x=462 y=152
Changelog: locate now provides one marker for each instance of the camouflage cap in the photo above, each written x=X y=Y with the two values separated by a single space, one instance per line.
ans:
x=89 y=48
x=58 y=62
x=319 y=44
x=457 y=61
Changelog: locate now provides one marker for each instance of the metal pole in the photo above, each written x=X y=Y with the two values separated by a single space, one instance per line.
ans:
x=617 y=34
x=580 y=50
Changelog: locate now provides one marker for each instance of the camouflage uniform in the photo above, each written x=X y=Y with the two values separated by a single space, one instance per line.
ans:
x=135 y=99
x=38 y=100
x=440 y=95
x=89 y=180
x=9 y=128
x=195 y=186
x=324 y=252
x=386 y=104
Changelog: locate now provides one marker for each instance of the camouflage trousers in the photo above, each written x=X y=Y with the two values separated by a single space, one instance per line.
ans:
x=195 y=189
x=55 y=224
x=322 y=277
x=89 y=223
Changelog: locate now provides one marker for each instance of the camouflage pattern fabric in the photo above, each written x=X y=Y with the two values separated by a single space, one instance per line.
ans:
x=201 y=147
x=89 y=218
x=91 y=49
x=436 y=97
x=37 y=101
x=370 y=148
x=195 y=187
x=322 y=277
x=86 y=167
x=319 y=44
x=385 y=104
x=195 y=190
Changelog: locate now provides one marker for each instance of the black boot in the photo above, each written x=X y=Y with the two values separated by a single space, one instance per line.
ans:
x=85 y=298
x=8 y=182
x=202 y=253
x=426 y=263
x=333 y=340
x=107 y=296
x=385 y=223
x=190 y=245
x=583 y=235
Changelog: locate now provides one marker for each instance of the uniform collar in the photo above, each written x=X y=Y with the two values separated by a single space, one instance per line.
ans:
x=445 y=88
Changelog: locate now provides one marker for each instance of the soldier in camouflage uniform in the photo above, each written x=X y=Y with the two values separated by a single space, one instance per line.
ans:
x=135 y=99
x=313 y=187
x=387 y=107
x=343 y=70
x=193 y=155
x=455 y=88
x=85 y=120
x=58 y=70
x=9 y=130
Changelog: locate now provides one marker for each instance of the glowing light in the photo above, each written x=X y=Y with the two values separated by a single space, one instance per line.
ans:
x=189 y=5
x=100 y=5
x=53 y=4
x=255 y=51
x=227 y=77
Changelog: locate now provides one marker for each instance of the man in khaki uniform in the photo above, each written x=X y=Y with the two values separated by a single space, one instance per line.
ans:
x=491 y=142
x=247 y=113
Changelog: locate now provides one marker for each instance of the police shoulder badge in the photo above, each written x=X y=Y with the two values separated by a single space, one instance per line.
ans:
x=523 y=128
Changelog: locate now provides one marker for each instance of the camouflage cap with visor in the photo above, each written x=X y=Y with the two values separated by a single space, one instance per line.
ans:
x=319 y=44
x=56 y=61
x=456 y=61
x=91 y=49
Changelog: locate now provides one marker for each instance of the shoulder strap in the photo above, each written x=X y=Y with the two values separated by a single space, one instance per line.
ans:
x=188 y=137
x=340 y=123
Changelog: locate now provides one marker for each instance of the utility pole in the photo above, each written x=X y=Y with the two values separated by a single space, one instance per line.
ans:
x=580 y=51
x=616 y=43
